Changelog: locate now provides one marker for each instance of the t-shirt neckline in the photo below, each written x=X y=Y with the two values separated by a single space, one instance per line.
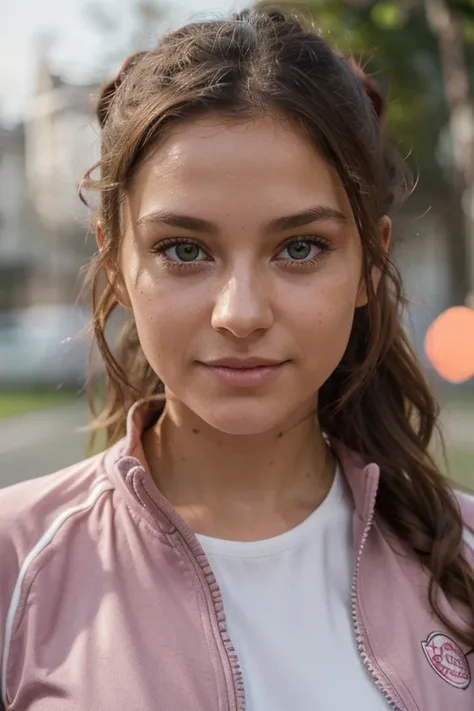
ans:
x=287 y=540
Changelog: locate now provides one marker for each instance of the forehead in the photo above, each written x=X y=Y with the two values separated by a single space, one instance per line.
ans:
x=264 y=161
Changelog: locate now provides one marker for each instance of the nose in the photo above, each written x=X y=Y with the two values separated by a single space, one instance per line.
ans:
x=243 y=306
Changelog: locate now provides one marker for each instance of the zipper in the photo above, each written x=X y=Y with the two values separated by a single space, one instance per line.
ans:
x=216 y=597
x=358 y=627
x=197 y=556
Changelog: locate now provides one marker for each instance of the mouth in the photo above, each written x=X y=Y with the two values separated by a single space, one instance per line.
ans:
x=244 y=372
x=244 y=363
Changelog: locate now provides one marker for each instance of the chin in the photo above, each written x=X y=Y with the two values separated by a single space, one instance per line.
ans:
x=234 y=426
x=241 y=418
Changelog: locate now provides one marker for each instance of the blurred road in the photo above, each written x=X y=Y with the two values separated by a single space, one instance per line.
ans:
x=458 y=427
x=40 y=443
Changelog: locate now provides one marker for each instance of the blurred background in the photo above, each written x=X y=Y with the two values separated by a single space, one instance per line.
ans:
x=55 y=55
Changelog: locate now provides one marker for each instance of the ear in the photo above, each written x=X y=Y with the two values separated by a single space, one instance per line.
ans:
x=385 y=233
x=114 y=277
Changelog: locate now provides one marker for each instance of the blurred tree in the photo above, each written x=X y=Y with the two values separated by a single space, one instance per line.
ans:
x=451 y=22
x=420 y=51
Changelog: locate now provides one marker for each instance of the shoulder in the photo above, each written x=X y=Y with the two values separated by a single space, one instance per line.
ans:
x=29 y=509
x=34 y=516
x=34 y=511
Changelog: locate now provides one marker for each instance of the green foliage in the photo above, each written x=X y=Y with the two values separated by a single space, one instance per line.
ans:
x=464 y=6
x=388 y=15
x=469 y=31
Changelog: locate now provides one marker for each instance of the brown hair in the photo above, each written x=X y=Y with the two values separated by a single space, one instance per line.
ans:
x=377 y=401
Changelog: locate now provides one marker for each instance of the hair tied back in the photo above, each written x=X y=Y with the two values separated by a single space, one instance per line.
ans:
x=372 y=90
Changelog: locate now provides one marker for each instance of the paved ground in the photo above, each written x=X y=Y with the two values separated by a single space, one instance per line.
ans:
x=458 y=428
x=41 y=443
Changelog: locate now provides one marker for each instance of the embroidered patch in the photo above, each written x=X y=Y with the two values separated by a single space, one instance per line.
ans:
x=447 y=659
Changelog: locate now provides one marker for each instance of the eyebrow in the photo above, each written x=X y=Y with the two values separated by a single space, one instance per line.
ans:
x=173 y=219
x=318 y=213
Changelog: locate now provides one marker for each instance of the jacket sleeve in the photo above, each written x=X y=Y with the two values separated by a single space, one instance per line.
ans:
x=14 y=543
x=9 y=571
x=27 y=511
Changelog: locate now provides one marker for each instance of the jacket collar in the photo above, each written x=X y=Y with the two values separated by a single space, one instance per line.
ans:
x=362 y=477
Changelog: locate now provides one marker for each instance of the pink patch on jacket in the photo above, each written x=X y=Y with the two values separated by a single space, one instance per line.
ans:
x=447 y=659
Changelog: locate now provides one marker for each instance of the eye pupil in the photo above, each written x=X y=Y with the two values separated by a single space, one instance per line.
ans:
x=299 y=250
x=187 y=252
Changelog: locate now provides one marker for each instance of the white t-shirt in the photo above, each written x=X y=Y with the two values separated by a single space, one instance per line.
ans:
x=287 y=602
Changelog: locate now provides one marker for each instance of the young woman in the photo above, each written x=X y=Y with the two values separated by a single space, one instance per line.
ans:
x=266 y=529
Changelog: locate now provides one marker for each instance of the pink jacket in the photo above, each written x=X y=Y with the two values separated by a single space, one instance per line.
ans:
x=107 y=600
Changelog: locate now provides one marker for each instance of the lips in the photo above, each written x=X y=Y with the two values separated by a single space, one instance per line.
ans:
x=243 y=363
x=254 y=372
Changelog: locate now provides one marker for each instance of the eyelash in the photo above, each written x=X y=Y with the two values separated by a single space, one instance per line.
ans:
x=322 y=244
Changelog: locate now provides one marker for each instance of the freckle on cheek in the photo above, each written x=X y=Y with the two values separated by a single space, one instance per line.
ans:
x=195 y=431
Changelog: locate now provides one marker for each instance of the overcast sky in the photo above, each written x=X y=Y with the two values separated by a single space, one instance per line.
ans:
x=24 y=22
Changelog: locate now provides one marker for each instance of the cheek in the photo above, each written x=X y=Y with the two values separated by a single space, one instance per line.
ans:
x=166 y=320
x=325 y=315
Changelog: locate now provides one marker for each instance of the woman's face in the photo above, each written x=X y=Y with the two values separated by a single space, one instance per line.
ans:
x=242 y=263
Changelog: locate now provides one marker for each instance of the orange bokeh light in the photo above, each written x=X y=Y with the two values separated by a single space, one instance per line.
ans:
x=449 y=344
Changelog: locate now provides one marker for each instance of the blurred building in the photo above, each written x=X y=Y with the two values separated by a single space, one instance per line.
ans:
x=17 y=252
x=61 y=142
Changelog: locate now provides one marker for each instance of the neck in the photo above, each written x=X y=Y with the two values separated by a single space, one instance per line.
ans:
x=244 y=487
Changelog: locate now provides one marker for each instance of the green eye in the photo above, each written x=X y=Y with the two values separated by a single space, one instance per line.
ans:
x=187 y=252
x=181 y=252
x=299 y=250
x=306 y=250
